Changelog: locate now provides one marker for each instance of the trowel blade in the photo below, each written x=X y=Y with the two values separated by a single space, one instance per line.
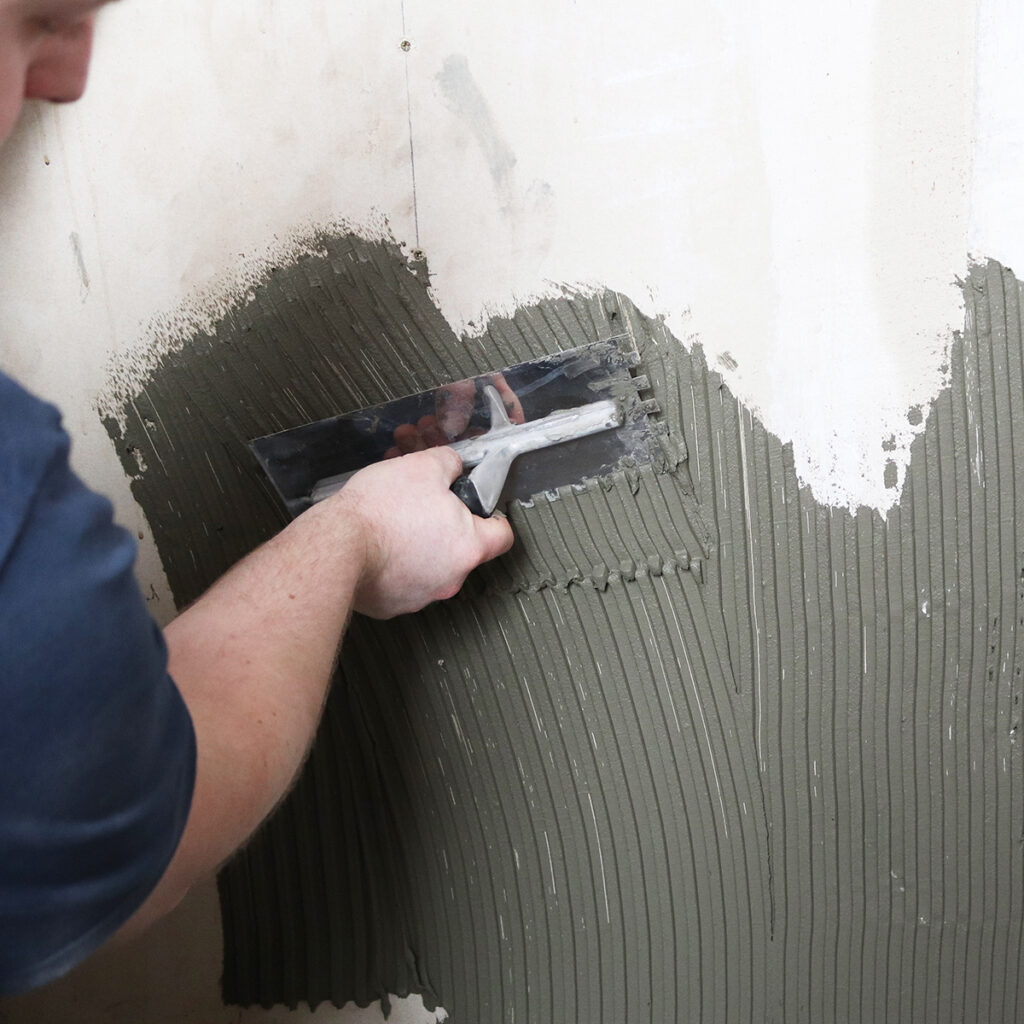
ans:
x=297 y=459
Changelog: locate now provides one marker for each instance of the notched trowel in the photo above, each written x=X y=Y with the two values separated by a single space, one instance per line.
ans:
x=521 y=431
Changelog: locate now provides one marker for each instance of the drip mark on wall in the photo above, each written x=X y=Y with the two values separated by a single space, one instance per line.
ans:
x=463 y=98
x=516 y=806
x=76 y=249
x=406 y=47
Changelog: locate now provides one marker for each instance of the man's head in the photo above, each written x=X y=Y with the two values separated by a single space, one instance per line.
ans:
x=44 y=52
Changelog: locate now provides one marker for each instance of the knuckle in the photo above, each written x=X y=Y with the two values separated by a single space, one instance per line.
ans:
x=451 y=456
x=450 y=589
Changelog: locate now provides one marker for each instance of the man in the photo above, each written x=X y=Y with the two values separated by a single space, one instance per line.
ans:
x=133 y=763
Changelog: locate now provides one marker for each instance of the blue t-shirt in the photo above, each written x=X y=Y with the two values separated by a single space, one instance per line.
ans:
x=97 y=750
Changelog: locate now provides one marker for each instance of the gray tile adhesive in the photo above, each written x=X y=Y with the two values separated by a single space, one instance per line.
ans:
x=698 y=748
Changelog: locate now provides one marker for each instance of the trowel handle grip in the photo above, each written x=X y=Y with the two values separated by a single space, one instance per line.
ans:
x=465 y=490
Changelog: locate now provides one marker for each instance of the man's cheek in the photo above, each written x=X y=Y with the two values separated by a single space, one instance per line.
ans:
x=12 y=88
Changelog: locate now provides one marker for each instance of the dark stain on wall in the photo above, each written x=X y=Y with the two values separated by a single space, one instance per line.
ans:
x=698 y=748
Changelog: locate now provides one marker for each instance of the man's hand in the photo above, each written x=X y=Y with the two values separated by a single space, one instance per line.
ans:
x=420 y=541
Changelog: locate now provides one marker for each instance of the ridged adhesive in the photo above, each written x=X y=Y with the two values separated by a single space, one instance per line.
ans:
x=698 y=748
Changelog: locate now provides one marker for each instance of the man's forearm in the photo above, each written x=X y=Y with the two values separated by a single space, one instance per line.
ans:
x=252 y=659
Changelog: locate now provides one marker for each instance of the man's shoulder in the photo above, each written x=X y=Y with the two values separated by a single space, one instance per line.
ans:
x=24 y=418
x=97 y=744
x=31 y=440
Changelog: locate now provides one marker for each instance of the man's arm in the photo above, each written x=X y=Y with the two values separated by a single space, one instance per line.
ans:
x=253 y=656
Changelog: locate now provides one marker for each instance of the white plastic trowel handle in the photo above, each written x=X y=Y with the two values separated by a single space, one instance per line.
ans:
x=491 y=454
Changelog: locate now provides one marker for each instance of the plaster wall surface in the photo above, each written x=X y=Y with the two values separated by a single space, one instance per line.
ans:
x=798 y=190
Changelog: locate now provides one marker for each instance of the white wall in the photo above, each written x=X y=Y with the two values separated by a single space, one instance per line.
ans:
x=796 y=188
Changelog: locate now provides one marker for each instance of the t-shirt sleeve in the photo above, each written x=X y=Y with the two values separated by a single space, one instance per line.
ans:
x=97 y=749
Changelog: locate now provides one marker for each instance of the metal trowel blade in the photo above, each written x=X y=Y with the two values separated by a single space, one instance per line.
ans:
x=298 y=459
